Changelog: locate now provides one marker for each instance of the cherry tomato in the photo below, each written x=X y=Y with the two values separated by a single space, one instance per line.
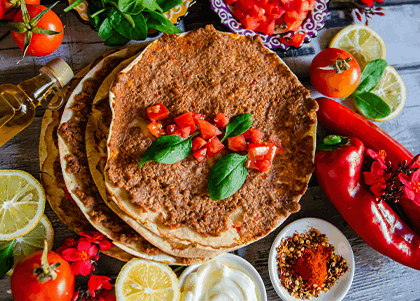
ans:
x=26 y=287
x=326 y=77
x=40 y=44
x=7 y=4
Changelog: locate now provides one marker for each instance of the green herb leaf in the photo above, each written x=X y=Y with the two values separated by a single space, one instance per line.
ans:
x=159 y=22
x=106 y=30
x=6 y=257
x=371 y=76
x=227 y=176
x=238 y=125
x=168 y=4
x=167 y=149
x=133 y=7
x=116 y=40
x=73 y=5
x=372 y=105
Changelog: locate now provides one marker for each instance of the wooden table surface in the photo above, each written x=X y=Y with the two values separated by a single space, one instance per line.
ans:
x=376 y=276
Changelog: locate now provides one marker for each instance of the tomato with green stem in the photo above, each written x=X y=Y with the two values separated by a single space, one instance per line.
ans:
x=335 y=73
x=11 y=7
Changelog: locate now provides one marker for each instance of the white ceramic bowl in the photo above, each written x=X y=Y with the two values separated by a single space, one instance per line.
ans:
x=335 y=237
x=238 y=263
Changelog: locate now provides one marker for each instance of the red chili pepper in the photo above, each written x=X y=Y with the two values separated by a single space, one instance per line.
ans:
x=340 y=120
x=339 y=174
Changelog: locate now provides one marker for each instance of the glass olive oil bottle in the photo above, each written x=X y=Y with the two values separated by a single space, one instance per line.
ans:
x=18 y=102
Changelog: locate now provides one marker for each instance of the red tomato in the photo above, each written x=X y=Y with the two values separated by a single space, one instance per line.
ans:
x=156 y=128
x=197 y=116
x=214 y=146
x=329 y=82
x=198 y=143
x=254 y=134
x=6 y=4
x=186 y=120
x=208 y=130
x=171 y=129
x=1 y=12
x=200 y=155
x=40 y=44
x=157 y=112
x=26 y=287
x=221 y=120
x=237 y=143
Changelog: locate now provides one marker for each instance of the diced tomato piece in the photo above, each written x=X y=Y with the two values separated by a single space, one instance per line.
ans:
x=267 y=27
x=274 y=10
x=250 y=22
x=207 y=130
x=200 y=155
x=221 y=120
x=198 y=143
x=258 y=151
x=156 y=128
x=251 y=163
x=230 y=2
x=171 y=129
x=294 y=41
x=185 y=132
x=186 y=120
x=237 y=143
x=214 y=146
x=157 y=112
x=277 y=142
x=197 y=116
x=255 y=135
x=264 y=165
x=272 y=152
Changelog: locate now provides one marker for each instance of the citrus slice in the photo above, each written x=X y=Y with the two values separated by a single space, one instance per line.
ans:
x=361 y=41
x=31 y=242
x=141 y=279
x=22 y=203
x=391 y=89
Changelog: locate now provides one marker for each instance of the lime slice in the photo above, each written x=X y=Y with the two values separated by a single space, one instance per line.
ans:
x=22 y=203
x=141 y=279
x=31 y=242
x=361 y=41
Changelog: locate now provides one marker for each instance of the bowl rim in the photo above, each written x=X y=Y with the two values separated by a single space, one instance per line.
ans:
x=335 y=237
x=238 y=261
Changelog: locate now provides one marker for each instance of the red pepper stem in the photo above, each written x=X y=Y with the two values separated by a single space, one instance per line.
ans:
x=332 y=142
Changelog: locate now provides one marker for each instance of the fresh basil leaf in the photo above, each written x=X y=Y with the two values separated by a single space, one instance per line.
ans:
x=371 y=105
x=6 y=256
x=371 y=76
x=167 y=149
x=106 y=30
x=238 y=125
x=227 y=176
x=140 y=32
x=116 y=40
x=133 y=7
x=159 y=22
x=168 y=4
x=125 y=25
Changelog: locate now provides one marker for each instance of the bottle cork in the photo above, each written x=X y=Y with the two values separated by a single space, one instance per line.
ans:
x=60 y=70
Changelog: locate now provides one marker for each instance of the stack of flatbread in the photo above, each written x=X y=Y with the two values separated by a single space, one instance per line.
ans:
x=90 y=150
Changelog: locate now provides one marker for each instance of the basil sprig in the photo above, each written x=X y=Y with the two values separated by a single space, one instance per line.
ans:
x=227 y=176
x=168 y=149
x=371 y=105
x=119 y=21
x=6 y=256
x=238 y=125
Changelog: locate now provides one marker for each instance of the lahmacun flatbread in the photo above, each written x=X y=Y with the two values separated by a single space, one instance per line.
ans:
x=74 y=164
x=209 y=72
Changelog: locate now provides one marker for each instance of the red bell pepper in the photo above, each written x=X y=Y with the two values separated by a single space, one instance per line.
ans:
x=339 y=174
x=340 y=120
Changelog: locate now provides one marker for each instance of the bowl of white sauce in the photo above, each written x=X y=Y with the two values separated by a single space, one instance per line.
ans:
x=227 y=277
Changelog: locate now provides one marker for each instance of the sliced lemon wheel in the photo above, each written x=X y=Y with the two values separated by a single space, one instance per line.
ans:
x=22 y=203
x=31 y=242
x=141 y=279
x=361 y=41
x=391 y=89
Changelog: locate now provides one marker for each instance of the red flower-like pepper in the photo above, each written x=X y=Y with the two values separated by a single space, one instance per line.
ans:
x=339 y=173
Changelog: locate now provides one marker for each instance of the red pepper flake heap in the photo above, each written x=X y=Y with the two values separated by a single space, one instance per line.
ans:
x=307 y=264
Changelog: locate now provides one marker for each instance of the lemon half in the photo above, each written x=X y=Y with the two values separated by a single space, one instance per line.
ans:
x=141 y=279
x=361 y=41
x=391 y=89
x=22 y=203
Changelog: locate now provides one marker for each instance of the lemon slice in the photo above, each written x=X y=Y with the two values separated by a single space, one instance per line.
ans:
x=141 y=279
x=361 y=41
x=22 y=203
x=391 y=89
x=31 y=242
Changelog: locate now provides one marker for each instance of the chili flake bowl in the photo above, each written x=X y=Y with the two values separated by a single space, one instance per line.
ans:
x=311 y=25
x=335 y=238
x=238 y=263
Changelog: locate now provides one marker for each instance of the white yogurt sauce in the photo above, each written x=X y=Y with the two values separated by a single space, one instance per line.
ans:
x=215 y=281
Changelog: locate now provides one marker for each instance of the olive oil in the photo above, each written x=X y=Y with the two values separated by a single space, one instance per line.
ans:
x=18 y=102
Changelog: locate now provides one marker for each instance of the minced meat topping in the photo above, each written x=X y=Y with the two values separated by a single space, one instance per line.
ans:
x=209 y=72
